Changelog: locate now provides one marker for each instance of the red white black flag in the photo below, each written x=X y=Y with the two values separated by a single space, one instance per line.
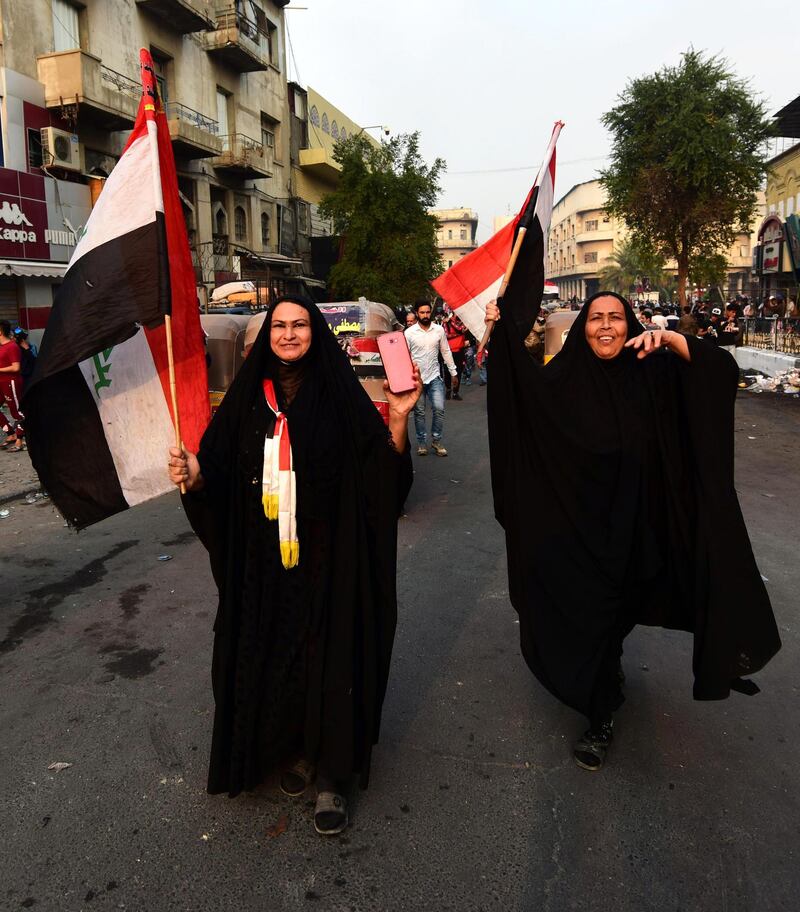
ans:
x=473 y=281
x=98 y=408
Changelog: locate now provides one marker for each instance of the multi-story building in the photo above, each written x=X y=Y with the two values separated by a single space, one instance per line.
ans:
x=70 y=90
x=779 y=232
x=583 y=236
x=457 y=233
x=316 y=126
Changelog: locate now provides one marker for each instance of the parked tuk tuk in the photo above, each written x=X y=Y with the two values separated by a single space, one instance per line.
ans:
x=224 y=344
x=556 y=328
x=357 y=325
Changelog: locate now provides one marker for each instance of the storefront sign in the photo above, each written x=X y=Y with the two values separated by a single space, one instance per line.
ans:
x=23 y=216
x=771 y=258
x=343 y=319
x=793 y=243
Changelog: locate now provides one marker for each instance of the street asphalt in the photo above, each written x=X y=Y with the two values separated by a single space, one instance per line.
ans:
x=474 y=802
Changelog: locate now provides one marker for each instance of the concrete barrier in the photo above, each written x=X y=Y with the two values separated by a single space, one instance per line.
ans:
x=768 y=362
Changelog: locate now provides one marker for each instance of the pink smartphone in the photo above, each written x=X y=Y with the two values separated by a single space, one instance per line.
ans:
x=396 y=361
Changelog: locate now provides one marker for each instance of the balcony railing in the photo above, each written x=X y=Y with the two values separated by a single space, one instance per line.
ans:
x=239 y=144
x=242 y=155
x=238 y=41
x=184 y=16
x=177 y=111
x=193 y=134
x=121 y=83
x=82 y=86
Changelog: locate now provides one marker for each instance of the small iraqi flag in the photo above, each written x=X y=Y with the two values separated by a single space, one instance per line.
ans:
x=98 y=408
x=471 y=283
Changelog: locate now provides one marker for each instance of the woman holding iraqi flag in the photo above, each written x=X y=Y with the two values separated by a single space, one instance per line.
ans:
x=634 y=518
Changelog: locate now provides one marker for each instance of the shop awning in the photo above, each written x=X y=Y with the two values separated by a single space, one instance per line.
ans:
x=32 y=269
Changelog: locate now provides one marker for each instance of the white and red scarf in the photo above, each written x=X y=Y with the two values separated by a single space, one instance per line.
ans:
x=279 y=488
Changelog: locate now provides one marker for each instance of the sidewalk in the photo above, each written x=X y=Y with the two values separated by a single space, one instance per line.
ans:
x=17 y=477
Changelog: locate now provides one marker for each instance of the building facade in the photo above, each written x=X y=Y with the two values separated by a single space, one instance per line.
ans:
x=70 y=91
x=457 y=233
x=316 y=126
x=776 y=257
x=583 y=236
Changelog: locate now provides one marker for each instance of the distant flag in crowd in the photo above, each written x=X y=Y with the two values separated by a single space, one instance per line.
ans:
x=471 y=283
x=98 y=409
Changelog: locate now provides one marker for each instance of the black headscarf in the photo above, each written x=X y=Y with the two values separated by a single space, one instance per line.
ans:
x=613 y=480
x=314 y=641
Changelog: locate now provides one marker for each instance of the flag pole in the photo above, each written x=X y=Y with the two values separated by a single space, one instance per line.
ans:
x=512 y=262
x=173 y=388
x=152 y=108
x=521 y=231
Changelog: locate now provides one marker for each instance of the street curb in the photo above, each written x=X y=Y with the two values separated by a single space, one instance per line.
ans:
x=7 y=498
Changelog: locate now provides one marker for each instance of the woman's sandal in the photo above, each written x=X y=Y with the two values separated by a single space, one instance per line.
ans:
x=330 y=814
x=297 y=778
x=590 y=752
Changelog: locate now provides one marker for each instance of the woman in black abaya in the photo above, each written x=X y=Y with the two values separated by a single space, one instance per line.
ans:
x=295 y=492
x=635 y=519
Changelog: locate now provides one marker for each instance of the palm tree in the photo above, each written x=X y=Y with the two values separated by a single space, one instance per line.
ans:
x=631 y=261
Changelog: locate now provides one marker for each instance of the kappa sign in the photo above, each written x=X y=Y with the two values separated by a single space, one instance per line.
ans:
x=23 y=216
x=11 y=214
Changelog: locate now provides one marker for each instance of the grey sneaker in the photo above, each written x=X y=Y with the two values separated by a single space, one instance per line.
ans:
x=438 y=448
x=422 y=450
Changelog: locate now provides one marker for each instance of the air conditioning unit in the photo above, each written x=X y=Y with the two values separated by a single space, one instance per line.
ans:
x=60 y=149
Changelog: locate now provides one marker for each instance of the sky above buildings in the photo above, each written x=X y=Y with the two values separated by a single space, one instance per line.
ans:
x=484 y=82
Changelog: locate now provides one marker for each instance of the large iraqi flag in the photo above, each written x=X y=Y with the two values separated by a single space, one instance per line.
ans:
x=471 y=283
x=98 y=409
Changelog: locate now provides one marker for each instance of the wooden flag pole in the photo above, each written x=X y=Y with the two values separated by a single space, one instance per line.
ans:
x=173 y=388
x=512 y=262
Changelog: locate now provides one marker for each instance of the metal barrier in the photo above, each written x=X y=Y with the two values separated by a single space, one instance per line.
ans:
x=773 y=334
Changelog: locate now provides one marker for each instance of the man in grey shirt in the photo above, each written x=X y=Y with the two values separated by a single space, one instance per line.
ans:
x=427 y=340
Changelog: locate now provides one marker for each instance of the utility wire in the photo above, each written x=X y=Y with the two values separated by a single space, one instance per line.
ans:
x=572 y=161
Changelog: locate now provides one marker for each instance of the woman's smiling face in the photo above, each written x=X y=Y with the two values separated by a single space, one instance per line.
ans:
x=290 y=331
x=606 y=327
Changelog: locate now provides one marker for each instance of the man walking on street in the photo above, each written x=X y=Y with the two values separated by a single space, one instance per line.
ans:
x=11 y=384
x=427 y=341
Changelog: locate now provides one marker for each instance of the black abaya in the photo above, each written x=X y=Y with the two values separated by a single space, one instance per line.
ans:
x=301 y=656
x=613 y=481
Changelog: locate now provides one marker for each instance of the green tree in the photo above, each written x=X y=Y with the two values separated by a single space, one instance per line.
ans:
x=688 y=156
x=709 y=270
x=380 y=208
x=632 y=259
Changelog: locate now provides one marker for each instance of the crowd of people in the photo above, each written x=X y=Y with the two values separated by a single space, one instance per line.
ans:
x=17 y=361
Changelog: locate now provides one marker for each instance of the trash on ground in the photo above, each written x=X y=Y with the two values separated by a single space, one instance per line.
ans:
x=164 y=557
x=279 y=828
x=58 y=766
x=4 y=513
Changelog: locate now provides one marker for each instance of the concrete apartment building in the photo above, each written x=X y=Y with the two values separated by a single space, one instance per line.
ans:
x=583 y=236
x=457 y=233
x=70 y=90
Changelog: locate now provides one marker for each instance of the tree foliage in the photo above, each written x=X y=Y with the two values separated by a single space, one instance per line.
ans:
x=380 y=208
x=688 y=157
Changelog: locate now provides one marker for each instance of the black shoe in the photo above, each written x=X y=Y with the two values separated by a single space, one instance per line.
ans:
x=590 y=752
x=457 y=397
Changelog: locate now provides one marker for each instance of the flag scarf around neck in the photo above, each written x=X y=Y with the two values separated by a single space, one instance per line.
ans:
x=471 y=283
x=98 y=407
x=279 y=485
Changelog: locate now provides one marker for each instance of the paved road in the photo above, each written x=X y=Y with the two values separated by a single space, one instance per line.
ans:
x=474 y=802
